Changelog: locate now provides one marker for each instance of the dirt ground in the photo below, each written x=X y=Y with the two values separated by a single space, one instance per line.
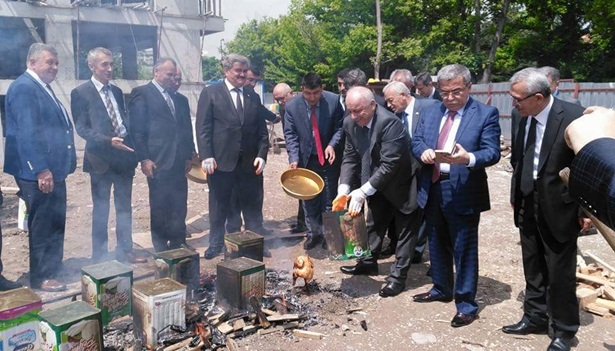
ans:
x=392 y=323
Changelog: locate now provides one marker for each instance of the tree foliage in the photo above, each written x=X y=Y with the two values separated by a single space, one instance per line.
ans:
x=326 y=36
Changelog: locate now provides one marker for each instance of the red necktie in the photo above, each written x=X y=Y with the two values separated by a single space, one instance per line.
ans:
x=446 y=128
x=321 y=155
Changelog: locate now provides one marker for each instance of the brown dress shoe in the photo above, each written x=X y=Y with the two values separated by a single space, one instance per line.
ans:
x=52 y=285
x=133 y=258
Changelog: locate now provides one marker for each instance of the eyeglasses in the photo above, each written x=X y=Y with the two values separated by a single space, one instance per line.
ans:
x=453 y=93
x=516 y=101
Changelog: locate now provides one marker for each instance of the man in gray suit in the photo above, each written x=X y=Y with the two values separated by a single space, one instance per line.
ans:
x=312 y=130
x=377 y=156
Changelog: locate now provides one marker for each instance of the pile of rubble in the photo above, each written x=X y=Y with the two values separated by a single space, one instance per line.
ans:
x=596 y=286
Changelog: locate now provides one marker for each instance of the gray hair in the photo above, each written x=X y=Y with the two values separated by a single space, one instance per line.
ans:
x=453 y=71
x=93 y=54
x=355 y=77
x=229 y=60
x=402 y=75
x=396 y=87
x=36 y=49
x=423 y=77
x=535 y=81
x=365 y=95
x=161 y=61
x=551 y=72
x=283 y=88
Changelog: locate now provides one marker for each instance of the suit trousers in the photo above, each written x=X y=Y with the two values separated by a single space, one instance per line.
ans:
x=234 y=220
x=101 y=184
x=453 y=238
x=168 y=196
x=379 y=215
x=46 y=223
x=314 y=208
x=249 y=189
x=549 y=268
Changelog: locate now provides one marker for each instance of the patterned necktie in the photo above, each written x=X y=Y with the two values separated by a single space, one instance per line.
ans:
x=527 y=169
x=363 y=135
x=238 y=104
x=167 y=98
x=318 y=142
x=446 y=129
x=111 y=111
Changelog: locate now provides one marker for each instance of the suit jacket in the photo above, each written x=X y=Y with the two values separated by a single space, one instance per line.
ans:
x=38 y=136
x=182 y=108
x=478 y=133
x=436 y=95
x=298 y=132
x=222 y=135
x=93 y=124
x=391 y=167
x=592 y=179
x=157 y=135
x=558 y=210
x=419 y=105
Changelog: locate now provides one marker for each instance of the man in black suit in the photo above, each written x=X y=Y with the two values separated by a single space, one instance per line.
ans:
x=377 y=156
x=544 y=211
x=40 y=154
x=425 y=88
x=404 y=76
x=100 y=116
x=312 y=129
x=233 y=144
x=162 y=135
x=357 y=78
x=5 y=284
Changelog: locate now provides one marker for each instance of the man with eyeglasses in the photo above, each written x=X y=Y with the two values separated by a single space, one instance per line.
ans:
x=544 y=211
x=455 y=140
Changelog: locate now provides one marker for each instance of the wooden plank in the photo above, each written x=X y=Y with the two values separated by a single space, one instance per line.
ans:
x=239 y=325
x=225 y=328
x=308 y=334
x=597 y=310
x=262 y=318
x=595 y=280
x=608 y=292
x=601 y=261
x=581 y=262
x=606 y=304
x=284 y=318
x=587 y=296
x=231 y=345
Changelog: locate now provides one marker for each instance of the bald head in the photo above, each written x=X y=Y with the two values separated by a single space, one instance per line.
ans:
x=361 y=105
x=282 y=93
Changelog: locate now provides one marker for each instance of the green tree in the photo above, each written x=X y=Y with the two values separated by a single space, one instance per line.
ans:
x=210 y=66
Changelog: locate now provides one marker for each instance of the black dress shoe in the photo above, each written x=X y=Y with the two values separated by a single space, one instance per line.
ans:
x=298 y=229
x=51 y=285
x=387 y=251
x=428 y=297
x=312 y=242
x=360 y=268
x=461 y=320
x=417 y=257
x=6 y=284
x=392 y=288
x=213 y=251
x=524 y=328
x=560 y=343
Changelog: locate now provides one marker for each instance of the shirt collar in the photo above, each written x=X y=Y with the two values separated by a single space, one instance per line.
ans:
x=36 y=77
x=230 y=86
x=158 y=86
x=459 y=112
x=410 y=107
x=97 y=84
x=543 y=115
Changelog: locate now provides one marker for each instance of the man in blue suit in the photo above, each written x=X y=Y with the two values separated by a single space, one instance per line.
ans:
x=312 y=129
x=40 y=154
x=455 y=141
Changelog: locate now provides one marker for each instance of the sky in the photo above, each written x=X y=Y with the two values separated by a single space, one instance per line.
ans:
x=238 y=12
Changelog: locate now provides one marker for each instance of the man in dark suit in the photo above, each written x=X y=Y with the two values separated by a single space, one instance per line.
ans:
x=407 y=108
x=357 y=78
x=592 y=173
x=40 y=154
x=553 y=76
x=425 y=88
x=233 y=144
x=5 y=284
x=455 y=141
x=547 y=217
x=377 y=156
x=100 y=115
x=312 y=129
x=162 y=135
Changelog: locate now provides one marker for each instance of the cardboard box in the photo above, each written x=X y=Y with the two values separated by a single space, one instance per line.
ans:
x=19 y=309
x=238 y=280
x=108 y=287
x=76 y=326
x=156 y=305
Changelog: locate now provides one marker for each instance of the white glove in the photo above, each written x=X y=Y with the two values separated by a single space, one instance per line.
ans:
x=259 y=164
x=357 y=198
x=209 y=165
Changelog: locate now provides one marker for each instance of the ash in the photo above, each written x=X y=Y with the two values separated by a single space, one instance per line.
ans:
x=204 y=316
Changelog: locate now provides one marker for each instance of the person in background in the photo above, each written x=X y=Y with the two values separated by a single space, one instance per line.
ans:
x=5 y=284
x=40 y=154
x=547 y=218
x=98 y=109
x=341 y=88
x=553 y=76
x=312 y=129
x=455 y=141
x=404 y=76
x=162 y=135
x=425 y=88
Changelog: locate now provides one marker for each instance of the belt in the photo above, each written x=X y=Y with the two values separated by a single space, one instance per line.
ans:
x=444 y=176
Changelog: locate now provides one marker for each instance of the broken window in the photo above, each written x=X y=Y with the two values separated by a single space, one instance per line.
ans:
x=16 y=36
x=133 y=48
